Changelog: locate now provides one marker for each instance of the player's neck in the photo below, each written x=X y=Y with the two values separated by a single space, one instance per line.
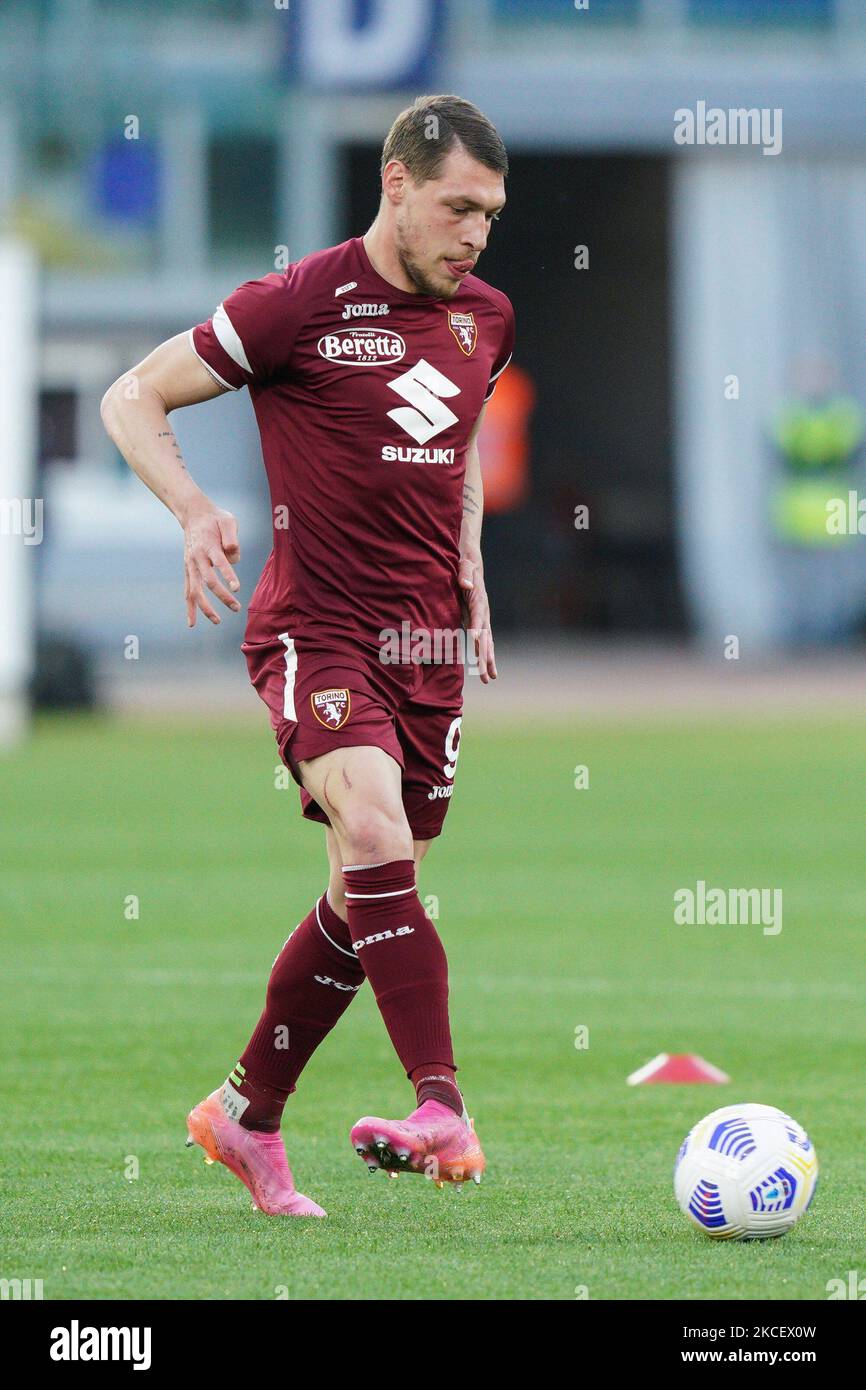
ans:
x=384 y=260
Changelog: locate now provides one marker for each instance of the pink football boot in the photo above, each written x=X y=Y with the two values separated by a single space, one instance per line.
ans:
x=433 y=1141
x=258 y=1159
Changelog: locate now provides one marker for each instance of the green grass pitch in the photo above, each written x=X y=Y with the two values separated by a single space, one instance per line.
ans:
x=556 y=906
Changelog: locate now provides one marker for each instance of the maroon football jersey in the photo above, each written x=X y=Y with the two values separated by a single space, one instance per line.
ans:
x=365 y=397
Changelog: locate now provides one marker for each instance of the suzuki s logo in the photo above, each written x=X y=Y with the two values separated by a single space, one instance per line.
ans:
x=424 y=387
x=361 y=347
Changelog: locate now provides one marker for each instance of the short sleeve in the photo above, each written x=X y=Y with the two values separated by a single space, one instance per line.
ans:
x=250 y=337
x=503 y=356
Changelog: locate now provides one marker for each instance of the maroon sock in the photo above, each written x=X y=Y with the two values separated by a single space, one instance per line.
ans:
x=435 y=1081
x=401 y=954
x=314 y=979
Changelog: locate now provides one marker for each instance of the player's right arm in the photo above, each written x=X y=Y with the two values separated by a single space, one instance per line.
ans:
x=135 y=412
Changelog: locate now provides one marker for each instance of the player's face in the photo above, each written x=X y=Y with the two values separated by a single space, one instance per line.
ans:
x=442 y=225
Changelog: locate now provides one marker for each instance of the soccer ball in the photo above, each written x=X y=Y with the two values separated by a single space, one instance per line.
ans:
x=745 y=1172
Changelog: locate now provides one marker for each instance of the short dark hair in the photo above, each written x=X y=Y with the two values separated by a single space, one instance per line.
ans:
x=429 y=129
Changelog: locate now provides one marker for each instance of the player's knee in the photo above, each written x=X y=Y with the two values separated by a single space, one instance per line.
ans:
x=375 y=833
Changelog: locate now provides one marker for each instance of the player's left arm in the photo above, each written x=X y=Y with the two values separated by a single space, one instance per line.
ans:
x=471 y=570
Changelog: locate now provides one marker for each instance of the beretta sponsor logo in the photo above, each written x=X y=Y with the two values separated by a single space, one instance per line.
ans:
x=361 y=347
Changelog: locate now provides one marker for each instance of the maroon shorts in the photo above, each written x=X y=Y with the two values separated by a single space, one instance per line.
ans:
x=323 y=695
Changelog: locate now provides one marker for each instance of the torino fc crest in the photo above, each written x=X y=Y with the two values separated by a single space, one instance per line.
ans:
x=464 y=330
x=331 y=707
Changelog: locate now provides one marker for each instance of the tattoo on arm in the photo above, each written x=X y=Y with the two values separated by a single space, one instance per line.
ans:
x=169 y=435
x=470 y=502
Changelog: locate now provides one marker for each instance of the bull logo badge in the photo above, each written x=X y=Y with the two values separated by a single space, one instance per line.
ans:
x=331 y=707
x=465 y=331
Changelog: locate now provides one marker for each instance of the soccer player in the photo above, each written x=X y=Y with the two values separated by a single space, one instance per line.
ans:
x=369 y=365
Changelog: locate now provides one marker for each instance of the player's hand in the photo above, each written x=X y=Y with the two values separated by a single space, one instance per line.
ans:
x=476 y=613
x=210 y=544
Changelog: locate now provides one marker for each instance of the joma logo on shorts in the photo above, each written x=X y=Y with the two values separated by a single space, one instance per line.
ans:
x=381 y=936
x=326 y=980
x=437 y=792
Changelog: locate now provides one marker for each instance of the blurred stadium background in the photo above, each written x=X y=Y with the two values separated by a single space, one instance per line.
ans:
x=698 y=386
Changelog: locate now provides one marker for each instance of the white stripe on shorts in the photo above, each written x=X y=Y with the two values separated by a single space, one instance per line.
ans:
x=291 y=672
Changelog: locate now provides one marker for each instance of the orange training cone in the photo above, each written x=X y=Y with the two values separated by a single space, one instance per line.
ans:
x=678 y=1069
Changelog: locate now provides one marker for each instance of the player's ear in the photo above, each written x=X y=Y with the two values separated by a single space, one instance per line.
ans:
x=394 y=180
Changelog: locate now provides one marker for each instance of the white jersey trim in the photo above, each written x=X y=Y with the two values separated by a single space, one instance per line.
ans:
x=491 y=385
x=207 y=366
x=228 y=339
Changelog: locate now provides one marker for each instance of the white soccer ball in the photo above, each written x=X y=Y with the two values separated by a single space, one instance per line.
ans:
x=745 y=1172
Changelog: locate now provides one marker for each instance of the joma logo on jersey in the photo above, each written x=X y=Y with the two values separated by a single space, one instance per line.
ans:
x=359 y=347
x=381 y=936
x=465 y=331
x=407 y=453
x=331 y=707
x=360 y=311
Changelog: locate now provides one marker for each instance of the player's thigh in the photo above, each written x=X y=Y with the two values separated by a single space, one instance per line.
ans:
x=359 y=788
